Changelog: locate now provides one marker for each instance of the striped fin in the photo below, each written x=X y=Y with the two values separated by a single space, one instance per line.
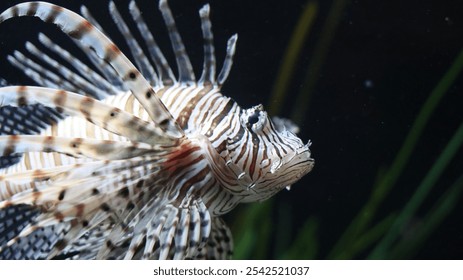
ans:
x=82 y=68
x=77 y=181
x=19 y=185
x=76 y=147
x=165 y=230
x=209 y=65
x=181 y=235
x=63 y=213
x=220 y=243
x=172 y=233
x=186 y=74
x=13 y=220
x=40 y=74
x=140 y=59
x=162 y=232
x=26 y=120
x=106 y=69
x=14 y=183
x=86 y=13
x=108 y=117
x=78 y=81
x=227 y=64
x=165 y=73
x=83 y=200
x=86 y=34
x=86 y=247
x=34 y=246
x=78 y=228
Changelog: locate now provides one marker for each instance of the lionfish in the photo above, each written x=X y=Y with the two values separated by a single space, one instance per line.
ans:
x=116 y=161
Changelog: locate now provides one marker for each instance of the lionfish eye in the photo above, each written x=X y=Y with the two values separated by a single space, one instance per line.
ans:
x=254 y=118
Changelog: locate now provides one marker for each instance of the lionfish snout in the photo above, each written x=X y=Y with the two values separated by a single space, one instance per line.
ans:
x=295 y=164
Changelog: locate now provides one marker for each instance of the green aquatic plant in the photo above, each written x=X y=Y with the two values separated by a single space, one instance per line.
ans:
x=344 y=248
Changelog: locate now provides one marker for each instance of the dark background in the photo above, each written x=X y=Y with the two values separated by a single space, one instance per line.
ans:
x=384 y=59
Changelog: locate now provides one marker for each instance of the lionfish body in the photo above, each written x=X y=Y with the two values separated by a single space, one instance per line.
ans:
x=135 y=163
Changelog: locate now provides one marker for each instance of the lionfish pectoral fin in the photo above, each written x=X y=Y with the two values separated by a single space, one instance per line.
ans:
x=82 y=202
x=209 y=65
x=76 y=147
x=68 y=185
x=36 y=245
x=228 y=62
x=89 y=37
x=101 y=114
x=220 y=243
x=13 y=220
x=161 y=231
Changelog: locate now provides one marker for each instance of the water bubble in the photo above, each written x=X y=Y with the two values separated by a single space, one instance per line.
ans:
x=368 y=83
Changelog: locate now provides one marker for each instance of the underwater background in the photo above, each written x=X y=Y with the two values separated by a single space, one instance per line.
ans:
x=375 y=85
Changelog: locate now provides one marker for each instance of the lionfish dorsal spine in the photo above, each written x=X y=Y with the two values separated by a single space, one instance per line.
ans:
x=165 y=73
x=139 y=56
x=209 y=65
x=228 y=62
x=185 y=69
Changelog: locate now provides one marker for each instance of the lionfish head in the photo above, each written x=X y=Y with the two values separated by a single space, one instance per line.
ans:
x=275 y=157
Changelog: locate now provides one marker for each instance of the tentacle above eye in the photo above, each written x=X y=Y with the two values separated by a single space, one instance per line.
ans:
x=108 y=117
x=83 y=32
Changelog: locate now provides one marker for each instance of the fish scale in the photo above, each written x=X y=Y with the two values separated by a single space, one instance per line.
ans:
x=137 y=162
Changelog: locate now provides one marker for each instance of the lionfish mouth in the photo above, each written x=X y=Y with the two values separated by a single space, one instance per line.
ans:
x=303 y=161
x=294 y=166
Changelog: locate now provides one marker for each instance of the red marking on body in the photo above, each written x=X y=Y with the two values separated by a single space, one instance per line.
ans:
x=181 y=156
x=79 y=209
x=59 y=216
